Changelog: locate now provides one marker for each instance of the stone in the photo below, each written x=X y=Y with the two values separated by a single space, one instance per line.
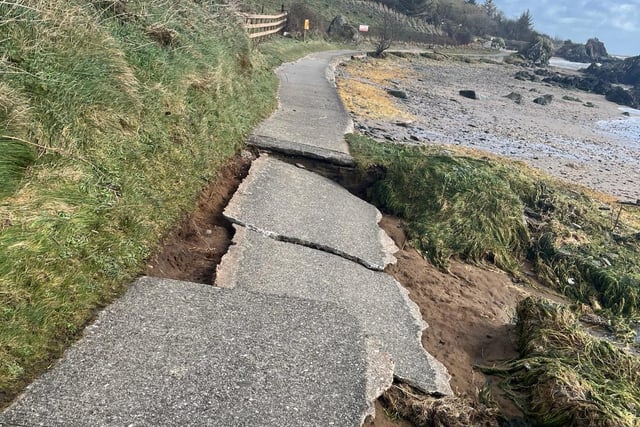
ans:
x=515 y=97
x=620 y=96
x=544 y=100
x=592 y=51
x=339 y=29
x=398 y=93
x=539 y=51
x=471 y=94
x=524 y=75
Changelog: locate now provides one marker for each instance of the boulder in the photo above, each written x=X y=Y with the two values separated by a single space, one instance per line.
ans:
x=340 y=29
x=526 y=76
x=515 y=97
x=471 y=94
x=620 y=96
x=539 y=51
x=544 y=100
x=398 y=93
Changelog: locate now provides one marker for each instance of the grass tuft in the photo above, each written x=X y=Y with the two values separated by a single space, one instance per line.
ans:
x=492 y=211
x=565 y=376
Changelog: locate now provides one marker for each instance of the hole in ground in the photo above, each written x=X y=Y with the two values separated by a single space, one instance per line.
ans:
x=192 y=251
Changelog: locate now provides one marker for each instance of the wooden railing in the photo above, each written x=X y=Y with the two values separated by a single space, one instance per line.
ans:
x=259 y=26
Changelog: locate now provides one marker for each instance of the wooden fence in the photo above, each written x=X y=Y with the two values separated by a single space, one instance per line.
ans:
x=260 y=26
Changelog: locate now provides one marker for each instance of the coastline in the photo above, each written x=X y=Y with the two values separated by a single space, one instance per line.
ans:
x=579 y=137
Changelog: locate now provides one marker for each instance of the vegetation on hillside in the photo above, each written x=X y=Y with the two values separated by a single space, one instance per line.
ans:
x=113 y=115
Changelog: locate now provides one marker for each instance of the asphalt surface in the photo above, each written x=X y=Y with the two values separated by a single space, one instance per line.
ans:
x=292 y=204
x=304 y=329
x=382 y=307
x=173 y=353
x=311 y=119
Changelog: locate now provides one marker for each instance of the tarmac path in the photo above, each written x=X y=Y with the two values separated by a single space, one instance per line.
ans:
x=303 y=328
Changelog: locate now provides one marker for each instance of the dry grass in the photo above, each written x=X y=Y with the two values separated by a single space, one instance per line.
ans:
x=364 y=92
x=566 y=376
x=427 y=411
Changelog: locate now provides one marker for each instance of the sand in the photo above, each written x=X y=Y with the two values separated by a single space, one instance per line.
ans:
x=597 y=147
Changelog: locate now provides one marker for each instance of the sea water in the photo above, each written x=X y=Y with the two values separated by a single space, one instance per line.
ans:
x=567 y=65
x=626 y=129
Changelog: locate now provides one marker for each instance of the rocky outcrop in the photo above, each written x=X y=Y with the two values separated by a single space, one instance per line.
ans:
x=592 y=51
x=340 y=29
x=618 y=71
x=605 y=79
x=539 y=51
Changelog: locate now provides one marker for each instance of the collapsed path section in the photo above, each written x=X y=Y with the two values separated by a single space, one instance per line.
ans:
x=180 y=353
x=379 y=303
x=298 y=206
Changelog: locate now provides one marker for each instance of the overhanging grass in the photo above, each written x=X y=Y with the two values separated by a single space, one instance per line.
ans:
x=15 y=156
x=128 y=127
x=453 y=205
x=474 y=208
x=564 y=376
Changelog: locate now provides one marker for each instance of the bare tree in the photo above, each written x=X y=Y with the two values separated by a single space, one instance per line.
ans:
x=386 y=34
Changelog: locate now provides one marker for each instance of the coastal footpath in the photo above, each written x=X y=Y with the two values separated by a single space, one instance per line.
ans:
x=304 y=328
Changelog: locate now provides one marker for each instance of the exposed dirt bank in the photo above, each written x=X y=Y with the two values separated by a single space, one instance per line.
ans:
x=195 y=247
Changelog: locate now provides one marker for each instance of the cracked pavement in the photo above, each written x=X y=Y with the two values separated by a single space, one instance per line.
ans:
x=305 y=329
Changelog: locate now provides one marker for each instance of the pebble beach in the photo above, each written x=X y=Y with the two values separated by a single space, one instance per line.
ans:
x=579 y=137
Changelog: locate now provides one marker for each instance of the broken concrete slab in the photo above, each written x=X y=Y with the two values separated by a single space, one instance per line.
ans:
x=310 y=113
x=298 y=149
x=292 y=204
x=179 y=353
x=381 y=305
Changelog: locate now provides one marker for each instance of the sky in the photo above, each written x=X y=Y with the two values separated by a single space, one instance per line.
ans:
x=615 y=22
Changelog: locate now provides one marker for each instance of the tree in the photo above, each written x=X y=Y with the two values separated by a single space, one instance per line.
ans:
x=386 y=34
x=524 y=26
x=490 y=9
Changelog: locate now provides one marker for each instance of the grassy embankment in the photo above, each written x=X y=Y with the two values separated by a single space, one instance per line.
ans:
x=113 y=115
x=474 y=208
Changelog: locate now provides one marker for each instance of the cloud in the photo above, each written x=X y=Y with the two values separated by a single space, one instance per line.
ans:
x=625 y=16
x=617 y=23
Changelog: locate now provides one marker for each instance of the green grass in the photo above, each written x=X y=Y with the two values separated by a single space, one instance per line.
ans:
x=564 y=376
x=445 y=201
x=108 y=134
x=473 y=208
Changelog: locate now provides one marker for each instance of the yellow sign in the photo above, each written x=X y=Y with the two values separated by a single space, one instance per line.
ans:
x=306 y=24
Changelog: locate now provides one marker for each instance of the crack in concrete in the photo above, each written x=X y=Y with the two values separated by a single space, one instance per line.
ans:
x=312 y=245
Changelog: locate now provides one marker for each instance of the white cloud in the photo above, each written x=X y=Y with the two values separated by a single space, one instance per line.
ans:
x=617 y=23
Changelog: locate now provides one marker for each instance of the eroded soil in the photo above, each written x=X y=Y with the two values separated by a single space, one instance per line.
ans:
x=469 y=309
x=470 y=312
x=193 y=250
